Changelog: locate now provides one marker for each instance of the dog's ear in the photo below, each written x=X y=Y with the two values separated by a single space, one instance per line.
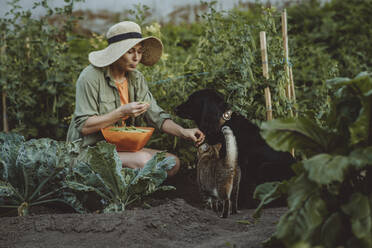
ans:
x=210 y=117
x=189 y=108
x=220 y=101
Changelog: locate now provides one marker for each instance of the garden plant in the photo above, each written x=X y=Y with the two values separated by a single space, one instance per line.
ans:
x=329 y=125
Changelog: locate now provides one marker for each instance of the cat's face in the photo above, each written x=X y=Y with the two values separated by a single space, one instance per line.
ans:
x=212 y=151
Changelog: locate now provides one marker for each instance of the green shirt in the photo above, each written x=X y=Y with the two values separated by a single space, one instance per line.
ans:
x=96 y=94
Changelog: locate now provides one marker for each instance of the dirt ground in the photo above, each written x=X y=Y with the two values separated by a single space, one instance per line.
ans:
x=175 y=219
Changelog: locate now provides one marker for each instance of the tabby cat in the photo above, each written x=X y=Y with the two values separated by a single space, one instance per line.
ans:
x=219 y=178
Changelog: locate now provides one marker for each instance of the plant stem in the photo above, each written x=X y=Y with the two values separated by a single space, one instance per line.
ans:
x=5 y=117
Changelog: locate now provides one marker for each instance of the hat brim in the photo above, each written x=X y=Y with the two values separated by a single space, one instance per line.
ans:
x=152 y=51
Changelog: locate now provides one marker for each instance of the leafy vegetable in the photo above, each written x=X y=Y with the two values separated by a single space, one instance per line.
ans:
x=330 y=199
x=100 y=171
x=31 y=172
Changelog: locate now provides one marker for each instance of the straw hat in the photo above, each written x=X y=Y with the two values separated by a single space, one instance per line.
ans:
x=122 y=37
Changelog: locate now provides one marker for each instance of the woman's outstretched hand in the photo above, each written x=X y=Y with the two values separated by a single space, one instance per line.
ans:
x=134 y=109
x=195 y=135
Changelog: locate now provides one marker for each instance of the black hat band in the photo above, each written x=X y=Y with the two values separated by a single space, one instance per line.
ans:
x=120 y=37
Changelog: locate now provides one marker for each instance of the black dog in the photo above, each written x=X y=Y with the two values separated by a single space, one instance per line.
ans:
x=259 y=163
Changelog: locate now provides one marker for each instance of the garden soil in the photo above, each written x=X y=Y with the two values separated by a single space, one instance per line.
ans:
x=170 y=219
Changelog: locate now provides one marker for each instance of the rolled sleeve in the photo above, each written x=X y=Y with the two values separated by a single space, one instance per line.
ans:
x=86 y=100
x=86 y=105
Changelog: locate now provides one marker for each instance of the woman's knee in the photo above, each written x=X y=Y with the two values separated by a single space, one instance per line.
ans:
x=143 y=158
x=135 y=160
x=176 y=167
x=139 y=159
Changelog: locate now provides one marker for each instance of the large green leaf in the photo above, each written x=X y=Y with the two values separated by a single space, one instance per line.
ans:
x=99 y=170
x=332 y=230
x=37 y=160
x=104 y=160
x=361 y=130
x=352 y=106
x=35 y=173
x=7 y=193
x=10 y=143
x=156 y=168
x=361 y=157
x=266 y=193
x=325 y=168
x=362 y=82
x=86 y=188
x=45 y=161
x=148 y=179
x=302 y=134
x=305 y=215
x=359 y=210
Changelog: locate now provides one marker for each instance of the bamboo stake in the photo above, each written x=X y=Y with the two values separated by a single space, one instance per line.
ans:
x=265 y=65
x=292 y=85
x=269 y=112
x=3 y=95
x=288 y=69
x=290 y=91
x=265 y=71
x=286 y=56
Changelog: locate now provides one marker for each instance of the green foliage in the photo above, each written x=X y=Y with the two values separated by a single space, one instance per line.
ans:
x=230 y=51
x=31 y=172
x=340 y=27
x=100 y=171
x=327 y=40
x=225 y=56
x=41 y=171
x=266 y=193
x=40 y=62
x=330 y=198
x=37 y=73
x=302 y=133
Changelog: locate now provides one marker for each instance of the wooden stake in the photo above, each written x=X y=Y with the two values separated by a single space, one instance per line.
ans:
x=269 y=111
x=265 y=64
x=265 y=71
x=290 y=91
x=292 y=85
x=286 y=57
x=288 y=69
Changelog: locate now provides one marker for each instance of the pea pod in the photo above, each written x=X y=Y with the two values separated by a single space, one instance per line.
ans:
x=130 y=129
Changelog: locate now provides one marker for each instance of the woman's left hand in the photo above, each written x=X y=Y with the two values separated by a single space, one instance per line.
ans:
x=195 y=135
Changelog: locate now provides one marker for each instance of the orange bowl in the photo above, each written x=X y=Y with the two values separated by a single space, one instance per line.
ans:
x=127 y=141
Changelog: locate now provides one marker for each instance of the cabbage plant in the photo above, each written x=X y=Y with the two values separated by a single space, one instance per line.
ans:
x=41 y=171
x=100 y=171
x=31 y=172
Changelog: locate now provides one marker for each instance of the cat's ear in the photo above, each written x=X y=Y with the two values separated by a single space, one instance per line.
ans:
x=218 y=146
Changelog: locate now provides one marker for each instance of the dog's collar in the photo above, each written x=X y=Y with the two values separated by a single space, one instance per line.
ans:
x=225 y=117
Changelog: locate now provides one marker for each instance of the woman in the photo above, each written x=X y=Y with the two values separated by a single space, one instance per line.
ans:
x=110 y=90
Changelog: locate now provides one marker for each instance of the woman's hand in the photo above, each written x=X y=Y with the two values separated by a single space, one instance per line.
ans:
x=133 y=109
x=194 y=134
